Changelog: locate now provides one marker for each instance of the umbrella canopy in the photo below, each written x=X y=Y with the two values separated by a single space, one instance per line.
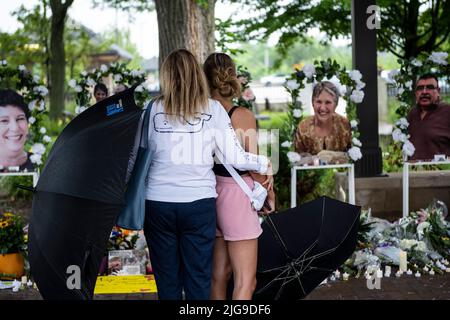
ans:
x=302 y=246
x=79 y=196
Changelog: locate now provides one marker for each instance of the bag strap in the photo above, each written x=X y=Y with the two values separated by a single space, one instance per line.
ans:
x=235 y=175
x=145 y=126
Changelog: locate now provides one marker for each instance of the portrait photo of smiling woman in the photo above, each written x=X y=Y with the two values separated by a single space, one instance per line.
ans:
x=13 y=131
x=325 y=130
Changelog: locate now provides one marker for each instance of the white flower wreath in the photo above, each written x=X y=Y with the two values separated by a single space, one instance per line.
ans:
x=33 y=92
x=350 y=86
x=120 y=74
x=403 y=79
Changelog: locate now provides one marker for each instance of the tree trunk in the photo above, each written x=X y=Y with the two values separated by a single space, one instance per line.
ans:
x=57 y=56
x=185 y=24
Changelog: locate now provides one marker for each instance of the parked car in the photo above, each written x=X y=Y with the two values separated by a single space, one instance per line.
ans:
x=274 y=79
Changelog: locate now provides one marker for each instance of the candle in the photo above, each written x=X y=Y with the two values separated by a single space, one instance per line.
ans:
x=345 y=276
x=409 y=272
x=332 y=278
x=379 y=273
x=387 y=269
x=403 y=261
x=24 y=279
x=417 y=274
x=431 y=272
x=337 y=274
x=29 y=283
x=447 y=270
x=425 y=269
x=15 y=289
x=398 y=274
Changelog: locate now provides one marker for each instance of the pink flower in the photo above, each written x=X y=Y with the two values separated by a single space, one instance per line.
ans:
x=248 y=95
x=423 y=215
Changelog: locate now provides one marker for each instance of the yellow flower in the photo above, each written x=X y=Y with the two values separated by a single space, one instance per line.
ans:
x=8 y=214
x=445 y=238
x=4 y=224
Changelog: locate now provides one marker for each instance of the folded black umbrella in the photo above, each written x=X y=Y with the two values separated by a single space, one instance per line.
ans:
x=79 y=196
x=302 y=246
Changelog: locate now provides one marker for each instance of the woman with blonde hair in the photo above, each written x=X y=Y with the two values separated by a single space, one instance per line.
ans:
x=238 y=226
x=186 y=130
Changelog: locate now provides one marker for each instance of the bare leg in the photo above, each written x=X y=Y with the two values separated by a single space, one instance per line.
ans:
x=243 y=256
x=221 y=270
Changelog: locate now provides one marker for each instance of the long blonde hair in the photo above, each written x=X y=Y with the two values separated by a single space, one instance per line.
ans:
x=184 y=90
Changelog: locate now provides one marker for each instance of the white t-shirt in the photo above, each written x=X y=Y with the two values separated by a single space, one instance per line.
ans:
x=182 y=162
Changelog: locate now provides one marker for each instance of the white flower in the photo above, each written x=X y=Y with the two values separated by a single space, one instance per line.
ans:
x=103 y=68
x=36 y=158
x=421 y=228
x=79 y=109
x=402 y=123
x=354 y=124
x=309 y=70
x=136 y=73
x=4 y=63
x=84 y=73
x=408 y=148
x=416 y=63
x=41 y=106
x=78 y=88
x=31 y=120
x=408 y=244
x=355 y=153
x=117 y=77
x=357 y=96
x=38 y=148
x=139 y=88
x=356 y=142
x=90 y=82
x=36 y=78
x=47 y=139
x=22 y=68
x=400 y=90
x=439 y=58
x=31 y=105
x=42 y=90
x=286 y=144
x=360 y=85
x=393 y=74
x=398 y=135
x=43 y=130
x=355 y=75
x=72 y=83
x=293 y=157
x=297 y=113
x=408 y=84
x=292 y=84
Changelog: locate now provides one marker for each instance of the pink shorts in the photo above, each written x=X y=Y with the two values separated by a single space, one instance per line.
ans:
x=236 y=218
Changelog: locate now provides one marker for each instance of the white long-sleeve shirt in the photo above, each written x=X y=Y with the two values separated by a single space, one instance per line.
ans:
x=181 y=168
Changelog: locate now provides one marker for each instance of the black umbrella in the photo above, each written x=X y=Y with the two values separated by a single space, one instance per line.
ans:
x=79 y=196
x=302 y=246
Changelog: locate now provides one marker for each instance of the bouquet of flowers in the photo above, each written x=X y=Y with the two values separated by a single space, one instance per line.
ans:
x=12 y=236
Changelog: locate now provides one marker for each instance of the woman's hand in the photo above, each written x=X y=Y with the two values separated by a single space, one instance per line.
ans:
x=268 y=183
x=270 y=201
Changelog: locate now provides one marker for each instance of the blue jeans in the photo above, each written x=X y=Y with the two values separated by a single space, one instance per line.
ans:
x=181 y=238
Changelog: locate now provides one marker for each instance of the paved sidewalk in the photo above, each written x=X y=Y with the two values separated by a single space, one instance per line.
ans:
x=405 y=288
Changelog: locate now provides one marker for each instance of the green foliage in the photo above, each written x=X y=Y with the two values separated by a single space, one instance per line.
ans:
x=12 y=237
x=226 y=38
x=427 y=29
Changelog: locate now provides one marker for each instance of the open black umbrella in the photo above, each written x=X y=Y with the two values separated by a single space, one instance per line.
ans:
x=302 y=246
x=79 y=196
